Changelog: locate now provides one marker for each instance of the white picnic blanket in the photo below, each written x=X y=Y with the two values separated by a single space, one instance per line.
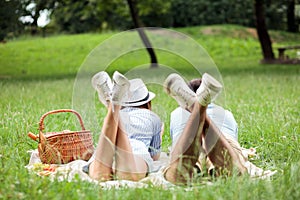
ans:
x=73 y=170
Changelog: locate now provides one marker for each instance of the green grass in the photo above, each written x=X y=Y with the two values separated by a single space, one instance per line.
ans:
x=37 y=75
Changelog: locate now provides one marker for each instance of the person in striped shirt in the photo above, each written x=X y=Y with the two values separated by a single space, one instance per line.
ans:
x=131 y=134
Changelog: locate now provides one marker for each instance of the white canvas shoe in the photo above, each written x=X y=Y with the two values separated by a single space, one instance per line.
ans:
x=176 y=87
x=208 y=90
x=120 y=88
x=101 y=82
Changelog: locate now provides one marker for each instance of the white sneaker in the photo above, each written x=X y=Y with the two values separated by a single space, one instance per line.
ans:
x=208 y=90
x=176 y=87
x=120 y=88
x=101 y=82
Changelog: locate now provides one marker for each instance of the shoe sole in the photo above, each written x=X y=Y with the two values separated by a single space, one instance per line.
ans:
x=211 y=82
x=170 y=81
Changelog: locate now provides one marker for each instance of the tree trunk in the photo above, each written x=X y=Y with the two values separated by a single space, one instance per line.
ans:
x=291 y=23
x=138 y=25
x=262 y=32
x=34 y=25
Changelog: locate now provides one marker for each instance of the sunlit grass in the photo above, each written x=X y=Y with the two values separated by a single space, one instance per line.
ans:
x=37 y=75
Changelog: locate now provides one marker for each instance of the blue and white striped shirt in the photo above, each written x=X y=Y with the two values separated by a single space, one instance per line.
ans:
x=142 y=125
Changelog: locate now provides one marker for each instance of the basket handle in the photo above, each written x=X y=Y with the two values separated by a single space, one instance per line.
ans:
x=41 y=123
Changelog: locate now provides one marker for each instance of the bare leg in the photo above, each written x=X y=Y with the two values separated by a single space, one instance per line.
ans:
x=128 y=165
x=219 y=151
x=101 y=167
x=114 y=143
x=187 y=150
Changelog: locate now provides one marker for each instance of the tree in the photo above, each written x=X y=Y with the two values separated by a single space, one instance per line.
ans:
x=138 y=25
x=291 y=22
x=262 y=31
x=33 y=9
x=39 y=6
x=75 y=16
x=10 y=11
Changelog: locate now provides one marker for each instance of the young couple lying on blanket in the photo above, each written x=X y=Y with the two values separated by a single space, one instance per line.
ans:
x=130 y=141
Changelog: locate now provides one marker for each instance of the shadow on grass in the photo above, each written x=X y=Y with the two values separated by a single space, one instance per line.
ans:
x=259 y=69
x=38 y=77
x=262 y=69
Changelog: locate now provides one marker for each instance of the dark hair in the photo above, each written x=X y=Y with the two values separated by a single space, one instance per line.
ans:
x=194 y=84
x=146 y=105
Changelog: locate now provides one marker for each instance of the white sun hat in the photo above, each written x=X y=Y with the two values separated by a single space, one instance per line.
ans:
x=138 y=93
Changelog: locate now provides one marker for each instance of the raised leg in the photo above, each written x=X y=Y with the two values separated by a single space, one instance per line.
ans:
x=186 y=151
x=110 y=96
x=128 y=165
x=101 y=167
x=188 y=147
x=219 y=151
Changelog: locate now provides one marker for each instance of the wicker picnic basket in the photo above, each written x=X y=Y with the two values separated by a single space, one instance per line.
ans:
x=65 y=146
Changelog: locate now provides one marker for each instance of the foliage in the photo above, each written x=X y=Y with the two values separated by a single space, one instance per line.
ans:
x=91 y=15
x=263 y=98
x=180 y=13
x=33 y=8
x=188 y=12
x=71 y=16
x=77 y=16
x=155 y=13
x=10 y=11
x=115 y=14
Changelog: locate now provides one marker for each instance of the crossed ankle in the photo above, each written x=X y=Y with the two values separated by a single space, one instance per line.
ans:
x=204 y=97
x=208 y=90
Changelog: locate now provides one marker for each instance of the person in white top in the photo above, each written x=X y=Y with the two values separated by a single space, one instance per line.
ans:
x=193 y=131
x=223 y=119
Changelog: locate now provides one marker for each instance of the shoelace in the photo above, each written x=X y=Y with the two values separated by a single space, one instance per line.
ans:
x=185 y=95
x=107 y=94
x=207 y=96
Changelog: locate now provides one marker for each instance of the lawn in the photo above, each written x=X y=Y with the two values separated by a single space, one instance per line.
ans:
x=40 y=74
